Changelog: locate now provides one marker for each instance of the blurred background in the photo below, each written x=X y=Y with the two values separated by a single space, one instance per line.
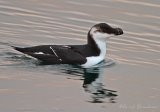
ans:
x=27 y=86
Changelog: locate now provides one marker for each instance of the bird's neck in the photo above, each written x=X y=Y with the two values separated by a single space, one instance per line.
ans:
x=102 y=46
x=98 y=45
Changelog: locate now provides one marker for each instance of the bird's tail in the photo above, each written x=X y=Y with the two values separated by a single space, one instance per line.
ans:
x=18 y=48
x=14 y=47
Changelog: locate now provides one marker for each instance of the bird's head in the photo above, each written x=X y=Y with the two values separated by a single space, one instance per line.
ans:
x=102 y=31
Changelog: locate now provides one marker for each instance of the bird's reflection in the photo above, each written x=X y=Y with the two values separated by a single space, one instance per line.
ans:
x=92 y=79
x=93 y=83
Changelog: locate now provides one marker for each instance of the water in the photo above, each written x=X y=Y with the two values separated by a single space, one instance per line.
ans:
x=130 y=84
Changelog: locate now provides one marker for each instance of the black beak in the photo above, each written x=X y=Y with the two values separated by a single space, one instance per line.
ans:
x=118 y=31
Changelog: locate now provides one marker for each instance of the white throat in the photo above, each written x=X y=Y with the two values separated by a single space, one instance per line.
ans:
x=102 y=46
x=100 y=39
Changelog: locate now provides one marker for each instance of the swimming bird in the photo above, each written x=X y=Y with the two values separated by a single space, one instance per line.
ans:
x=86 y=55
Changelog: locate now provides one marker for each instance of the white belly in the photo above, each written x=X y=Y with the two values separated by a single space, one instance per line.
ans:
x=91 y=61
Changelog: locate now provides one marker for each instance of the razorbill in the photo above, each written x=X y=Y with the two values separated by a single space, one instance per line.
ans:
x=87 y=55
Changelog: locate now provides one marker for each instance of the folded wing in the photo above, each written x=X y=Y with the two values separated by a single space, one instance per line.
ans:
x=54 y=54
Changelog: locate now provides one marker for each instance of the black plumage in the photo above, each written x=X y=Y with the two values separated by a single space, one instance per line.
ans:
x=70 y=54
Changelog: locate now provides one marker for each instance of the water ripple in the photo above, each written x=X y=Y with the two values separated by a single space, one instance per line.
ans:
x=140 y=3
